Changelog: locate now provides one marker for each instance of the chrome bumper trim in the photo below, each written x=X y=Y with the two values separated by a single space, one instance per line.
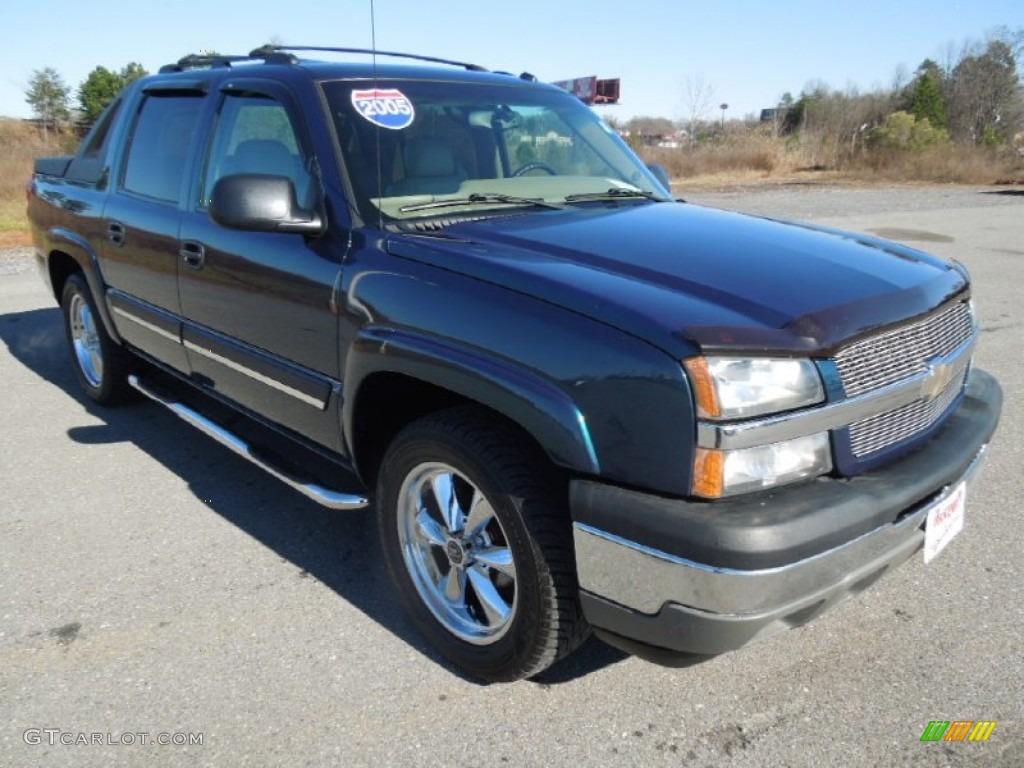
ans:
x=787 y=426
x=645 y=579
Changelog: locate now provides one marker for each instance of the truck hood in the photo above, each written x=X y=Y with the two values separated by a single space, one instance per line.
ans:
x=680 y=275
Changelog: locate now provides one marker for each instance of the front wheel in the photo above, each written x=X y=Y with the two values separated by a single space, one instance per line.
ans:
x=101 y=366
x=479 y=545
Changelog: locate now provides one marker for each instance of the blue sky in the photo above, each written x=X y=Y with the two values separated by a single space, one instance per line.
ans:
x=748 y=51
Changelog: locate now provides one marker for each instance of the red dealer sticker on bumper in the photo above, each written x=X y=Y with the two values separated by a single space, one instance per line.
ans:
x=388 y=107
x=945 y=520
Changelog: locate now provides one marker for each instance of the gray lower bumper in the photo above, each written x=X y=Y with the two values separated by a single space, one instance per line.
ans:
x=648 y=596
x=668 y=602
x=644 y=579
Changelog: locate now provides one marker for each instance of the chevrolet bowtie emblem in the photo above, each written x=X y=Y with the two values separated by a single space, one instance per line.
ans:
x=938 y=378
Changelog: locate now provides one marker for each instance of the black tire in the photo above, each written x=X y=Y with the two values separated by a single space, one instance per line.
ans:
x=101 y=365
x=529 y=524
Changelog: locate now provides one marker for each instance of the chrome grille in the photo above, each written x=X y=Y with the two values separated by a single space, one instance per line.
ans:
x=885 y=429
x=898 y=354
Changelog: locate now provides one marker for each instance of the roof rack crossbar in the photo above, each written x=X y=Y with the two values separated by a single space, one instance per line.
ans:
x=201 y=61
x=196 y=61
x=266 y=50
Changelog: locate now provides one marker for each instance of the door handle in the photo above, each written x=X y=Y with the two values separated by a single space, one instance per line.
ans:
x=115 y=232
x=193 y=253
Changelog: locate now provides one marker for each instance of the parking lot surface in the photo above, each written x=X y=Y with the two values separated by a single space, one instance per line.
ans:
x=153 y=586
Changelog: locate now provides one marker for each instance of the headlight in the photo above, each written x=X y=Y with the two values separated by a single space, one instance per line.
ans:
x=736 y=388
x=720 y=473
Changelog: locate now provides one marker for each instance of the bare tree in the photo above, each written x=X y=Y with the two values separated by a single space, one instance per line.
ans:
x=698 y=97
x=833 y=125
x=949 y=56
x=984 y=93
x=900 y=78
x=1014 y=38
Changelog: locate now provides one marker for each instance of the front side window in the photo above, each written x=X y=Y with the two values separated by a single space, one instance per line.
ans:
x=164 y=128
x=254 y=134
x=407 y=144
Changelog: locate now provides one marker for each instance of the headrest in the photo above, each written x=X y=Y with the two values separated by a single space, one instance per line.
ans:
x=264 y=156
x=428 y=157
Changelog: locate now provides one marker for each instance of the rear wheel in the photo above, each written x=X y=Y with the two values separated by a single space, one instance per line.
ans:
x=478 y=541
x=101 y=366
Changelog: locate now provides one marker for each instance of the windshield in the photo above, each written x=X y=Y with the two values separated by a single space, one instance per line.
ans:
x=426 y=148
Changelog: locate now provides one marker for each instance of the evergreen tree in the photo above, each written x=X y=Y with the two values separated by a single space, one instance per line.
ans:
x=102 y=86
x=926 y=102
x=132 y=71
x=47 y=94
x=98 y=89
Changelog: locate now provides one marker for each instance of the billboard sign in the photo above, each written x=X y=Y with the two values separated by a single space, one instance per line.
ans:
x=583 y=88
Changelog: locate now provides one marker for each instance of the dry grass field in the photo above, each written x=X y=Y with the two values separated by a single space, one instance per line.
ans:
x=744 y=157
x=21 y=143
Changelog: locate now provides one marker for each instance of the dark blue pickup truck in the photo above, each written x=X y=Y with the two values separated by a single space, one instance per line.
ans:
x=576 y=403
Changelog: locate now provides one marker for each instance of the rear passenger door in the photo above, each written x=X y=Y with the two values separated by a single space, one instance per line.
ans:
x=142 y=217
x=259 y=321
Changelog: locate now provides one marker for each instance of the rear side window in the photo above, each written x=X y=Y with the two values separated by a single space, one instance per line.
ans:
x=159 y=146
x=89 y=164
x=96 y=142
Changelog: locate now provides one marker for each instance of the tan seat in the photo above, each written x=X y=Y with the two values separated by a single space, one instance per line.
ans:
x=430 y=169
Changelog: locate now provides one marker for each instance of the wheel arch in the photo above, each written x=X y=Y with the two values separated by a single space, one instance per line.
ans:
x=60 y=266
x=70 y=253
x=396 y=378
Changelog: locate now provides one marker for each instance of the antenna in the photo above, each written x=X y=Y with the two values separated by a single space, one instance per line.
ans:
x=376 y=133
x=373 y=37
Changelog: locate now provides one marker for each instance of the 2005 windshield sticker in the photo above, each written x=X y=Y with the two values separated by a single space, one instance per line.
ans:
x=388 y=108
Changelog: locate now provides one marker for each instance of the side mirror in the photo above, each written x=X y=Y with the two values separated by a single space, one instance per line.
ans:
x=661 y=175
x=261 y=203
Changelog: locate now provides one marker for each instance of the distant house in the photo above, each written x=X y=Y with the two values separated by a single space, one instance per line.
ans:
x=664 y=140
x=775 y=115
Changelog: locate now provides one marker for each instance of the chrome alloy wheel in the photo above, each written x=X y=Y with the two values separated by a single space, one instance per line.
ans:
x=86 y=340
x=457 y=553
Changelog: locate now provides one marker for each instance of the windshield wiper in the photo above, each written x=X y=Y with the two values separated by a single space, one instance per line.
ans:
x=477 y=199
x=613 y=194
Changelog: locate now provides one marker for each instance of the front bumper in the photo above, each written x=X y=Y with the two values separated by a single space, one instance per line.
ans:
x=668 y=575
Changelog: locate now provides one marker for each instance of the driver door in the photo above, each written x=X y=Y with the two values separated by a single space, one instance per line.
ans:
x=259 y=325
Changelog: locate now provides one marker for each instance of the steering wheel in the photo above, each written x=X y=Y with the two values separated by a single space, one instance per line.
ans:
x=534 y=167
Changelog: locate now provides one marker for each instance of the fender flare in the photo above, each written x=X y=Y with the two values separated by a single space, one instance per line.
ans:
x=538 y=405
x=79 y=249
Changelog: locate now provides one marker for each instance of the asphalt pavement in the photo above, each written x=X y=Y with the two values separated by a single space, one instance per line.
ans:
x=155 y=587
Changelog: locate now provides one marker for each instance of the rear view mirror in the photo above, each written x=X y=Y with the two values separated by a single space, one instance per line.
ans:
x=261 y=203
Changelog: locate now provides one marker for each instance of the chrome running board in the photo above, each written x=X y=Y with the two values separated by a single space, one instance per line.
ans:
x=319 y=494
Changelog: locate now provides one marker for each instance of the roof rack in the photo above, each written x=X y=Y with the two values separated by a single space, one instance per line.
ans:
x=279 y=54
x=210 y=61
x=270 y=50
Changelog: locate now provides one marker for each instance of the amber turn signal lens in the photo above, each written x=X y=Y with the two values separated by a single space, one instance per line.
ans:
x=709 y=473
x=703 y=387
